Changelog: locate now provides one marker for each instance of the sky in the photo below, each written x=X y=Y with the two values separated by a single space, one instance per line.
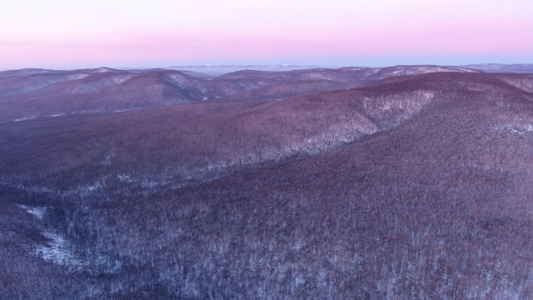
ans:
x=161 y=33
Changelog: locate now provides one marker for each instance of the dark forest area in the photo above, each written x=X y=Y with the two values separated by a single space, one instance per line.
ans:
x=409 y=182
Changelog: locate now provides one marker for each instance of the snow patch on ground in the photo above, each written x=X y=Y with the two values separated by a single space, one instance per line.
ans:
x=57 y=250
x=102 y=70
x=37 y=211
x=125 y=178
x=121 y=110
x=107 y=158
x=86 y=87
x=394 y=109
x=23 y=119
x=56 y=115
x=183 y=81
x=76 y=76
x=514 y=128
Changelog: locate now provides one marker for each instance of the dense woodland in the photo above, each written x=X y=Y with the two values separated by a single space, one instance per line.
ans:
x=395 y=183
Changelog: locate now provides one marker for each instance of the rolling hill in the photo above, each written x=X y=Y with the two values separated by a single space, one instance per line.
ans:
x=393 y=183
x=35 y=93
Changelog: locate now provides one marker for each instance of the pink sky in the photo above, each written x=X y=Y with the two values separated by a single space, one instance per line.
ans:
x=159 y=33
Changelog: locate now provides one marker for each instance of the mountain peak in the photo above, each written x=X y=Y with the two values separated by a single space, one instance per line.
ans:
x=102 y=70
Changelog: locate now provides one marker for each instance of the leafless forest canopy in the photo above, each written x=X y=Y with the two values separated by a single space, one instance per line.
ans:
x=408 y=182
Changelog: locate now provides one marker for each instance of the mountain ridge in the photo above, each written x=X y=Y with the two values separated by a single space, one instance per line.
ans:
x=53 y=93
x=400 y=185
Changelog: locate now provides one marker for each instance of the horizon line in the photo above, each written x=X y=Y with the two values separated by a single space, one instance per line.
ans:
x=227 y=65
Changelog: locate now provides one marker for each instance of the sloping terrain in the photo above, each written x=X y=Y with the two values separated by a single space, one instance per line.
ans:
x=35 y=93
x=52 y=95
x=410 y=187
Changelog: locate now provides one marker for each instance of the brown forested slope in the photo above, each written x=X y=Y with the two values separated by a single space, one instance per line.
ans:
x=413 y=187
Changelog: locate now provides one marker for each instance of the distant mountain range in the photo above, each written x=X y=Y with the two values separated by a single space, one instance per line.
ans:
x=405 y=182
x=36 y=93
x=503 y=68
x=216 y=70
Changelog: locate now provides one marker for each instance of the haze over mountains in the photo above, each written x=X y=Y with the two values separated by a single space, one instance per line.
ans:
x=406 y=182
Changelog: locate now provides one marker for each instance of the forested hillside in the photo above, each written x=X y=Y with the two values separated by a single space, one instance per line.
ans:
x=393 y=183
